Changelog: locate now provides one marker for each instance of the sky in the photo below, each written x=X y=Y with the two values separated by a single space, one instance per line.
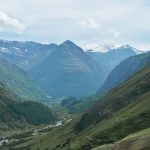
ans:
x=85 y=22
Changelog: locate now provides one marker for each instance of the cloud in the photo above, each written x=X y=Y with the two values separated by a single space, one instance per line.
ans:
x=116 y=34
x=143 y=46
x=99 y=47
x=90 y=23
x=56 y=21
x=9 y=23
x=91 y=46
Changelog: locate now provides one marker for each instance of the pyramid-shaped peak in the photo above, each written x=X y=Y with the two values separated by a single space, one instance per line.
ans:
x=126 y=46
x=68 y=42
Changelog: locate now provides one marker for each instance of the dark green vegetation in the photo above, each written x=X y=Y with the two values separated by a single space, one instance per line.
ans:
x=17 y=114
x=68 y=71
x=19 y=83
x=124 y=110
x=76 y=106
x=109 y=60
x=123 y=71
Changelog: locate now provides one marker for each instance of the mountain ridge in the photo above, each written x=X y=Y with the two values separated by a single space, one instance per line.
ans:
x=124 y=70
x=25 y=54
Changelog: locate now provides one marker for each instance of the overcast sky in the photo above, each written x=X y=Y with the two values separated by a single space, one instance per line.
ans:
x=82 y=21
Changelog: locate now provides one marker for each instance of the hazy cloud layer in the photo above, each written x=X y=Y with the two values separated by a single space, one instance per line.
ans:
x=84 y=22
x=9 y=23
x=89 y=24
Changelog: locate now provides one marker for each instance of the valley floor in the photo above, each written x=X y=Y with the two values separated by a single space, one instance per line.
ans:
x=17 y=140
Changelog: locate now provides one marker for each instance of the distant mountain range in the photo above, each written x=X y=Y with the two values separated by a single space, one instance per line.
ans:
x=25 y=54
x=65 y=69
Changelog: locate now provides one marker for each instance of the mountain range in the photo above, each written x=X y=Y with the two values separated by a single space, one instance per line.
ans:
x=65 y=69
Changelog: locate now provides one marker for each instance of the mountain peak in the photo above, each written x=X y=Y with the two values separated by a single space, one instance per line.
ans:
x=69 y=45
x=68 y=42
x=126 y=46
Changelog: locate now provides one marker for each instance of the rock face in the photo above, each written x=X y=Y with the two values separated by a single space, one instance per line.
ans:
x=68 y=71
x=25 y=54
x=124 y=70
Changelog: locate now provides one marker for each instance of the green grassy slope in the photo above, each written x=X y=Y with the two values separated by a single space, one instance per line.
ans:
x=137 y=141
x=17 y=81
x=131 y=91
x=123 y=111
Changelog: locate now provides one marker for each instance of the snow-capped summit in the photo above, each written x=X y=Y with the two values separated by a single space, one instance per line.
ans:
x=137 y=51
x=103 y=48
x=127 y=46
